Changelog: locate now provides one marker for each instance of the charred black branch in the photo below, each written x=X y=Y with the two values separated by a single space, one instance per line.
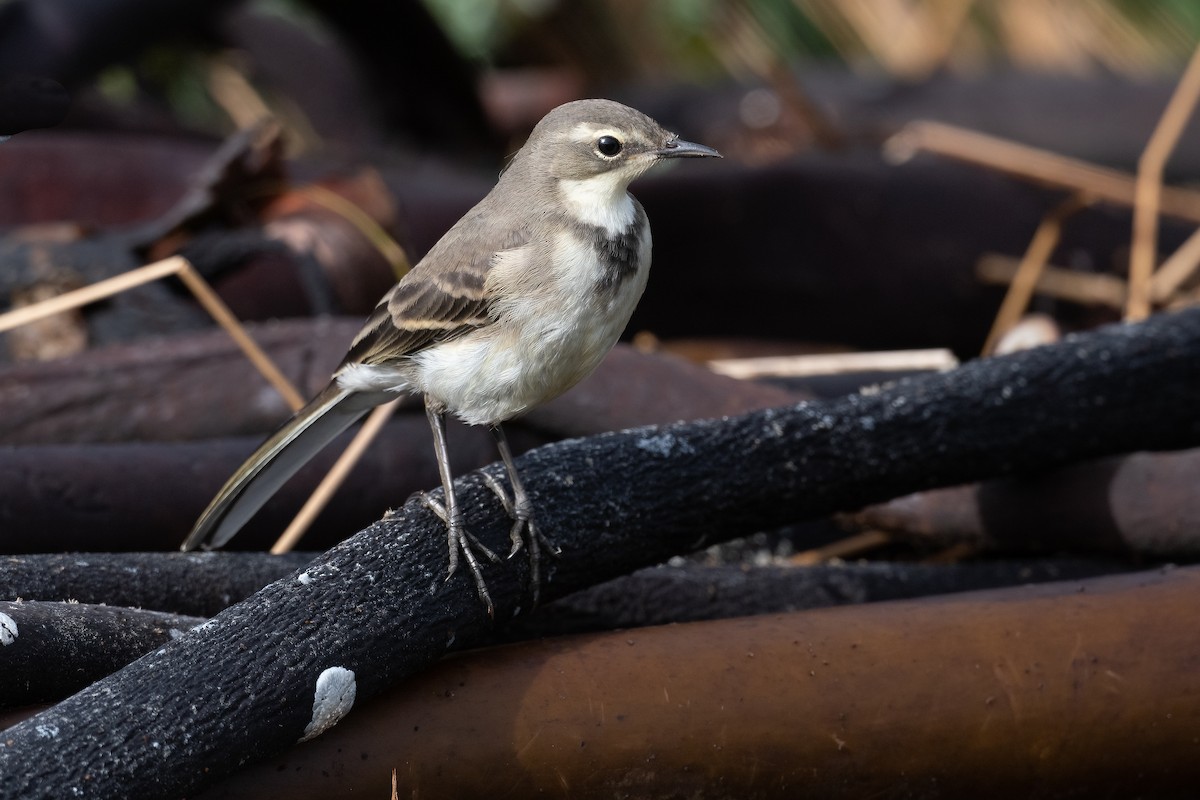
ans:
x=199 y=584
x=53 y=649
x=377 y=608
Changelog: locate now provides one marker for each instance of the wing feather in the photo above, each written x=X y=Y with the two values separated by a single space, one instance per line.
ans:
x=440 y=299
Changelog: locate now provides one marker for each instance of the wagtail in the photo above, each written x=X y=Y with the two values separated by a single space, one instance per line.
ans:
x=517 y=303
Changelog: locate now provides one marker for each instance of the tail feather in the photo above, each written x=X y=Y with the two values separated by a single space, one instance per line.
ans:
x=279 y=458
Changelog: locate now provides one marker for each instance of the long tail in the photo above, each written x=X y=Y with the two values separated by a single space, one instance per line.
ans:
x=279 y=458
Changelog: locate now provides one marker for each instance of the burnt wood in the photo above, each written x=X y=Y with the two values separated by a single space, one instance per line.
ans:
x=193 y=584
x=54 y=649
x=242 y=687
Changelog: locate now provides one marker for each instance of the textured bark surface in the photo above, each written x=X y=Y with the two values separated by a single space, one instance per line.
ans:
x=1033 y=692
x=197 y=584
x=203 y=584
x=243 y=686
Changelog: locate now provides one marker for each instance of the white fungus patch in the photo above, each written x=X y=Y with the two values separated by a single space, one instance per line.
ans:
x=8 y=630
x=304 y=578
x=332 y=700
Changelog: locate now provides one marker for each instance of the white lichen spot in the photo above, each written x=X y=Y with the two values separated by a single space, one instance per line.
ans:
x=46 y=731
x=8 y=630
x=304 y=578
x=332 y=700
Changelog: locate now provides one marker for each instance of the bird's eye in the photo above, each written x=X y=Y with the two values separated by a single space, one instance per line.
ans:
x=608 y=145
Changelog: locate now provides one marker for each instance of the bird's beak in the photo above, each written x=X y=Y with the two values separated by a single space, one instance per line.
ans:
x=677 y=148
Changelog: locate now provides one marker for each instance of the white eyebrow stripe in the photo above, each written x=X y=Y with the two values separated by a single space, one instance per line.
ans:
x=587 y=132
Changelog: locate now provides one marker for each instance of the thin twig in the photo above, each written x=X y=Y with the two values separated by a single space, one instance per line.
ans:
x=849 y=547
x=387 y=246
x=834 y=363
x=1176 y=270
x=1032 y=164
x=1059 y=282
x=217 y=309
x=1149 y=188
x=1020 y=291
x=89 y=294
x=179 y=266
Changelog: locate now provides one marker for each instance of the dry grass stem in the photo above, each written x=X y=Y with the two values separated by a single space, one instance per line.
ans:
x=1020 y=291
x=849 y=547
x=834 y=363
x=1148 y=191
x=388 y=247
x=199 y=287
x=1176 y=270
x=1058 y=282
x=1032 y=164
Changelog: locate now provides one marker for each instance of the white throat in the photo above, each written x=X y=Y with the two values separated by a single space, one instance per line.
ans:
x=600 y=200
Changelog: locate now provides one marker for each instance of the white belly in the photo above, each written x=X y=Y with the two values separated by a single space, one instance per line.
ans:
x=547 y=338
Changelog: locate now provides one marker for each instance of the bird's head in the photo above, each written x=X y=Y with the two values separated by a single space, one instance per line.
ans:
x=596 y=148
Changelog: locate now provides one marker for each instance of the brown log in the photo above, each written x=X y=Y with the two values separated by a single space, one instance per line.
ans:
x=60 y=498
x=1144 y=504
x=59 y=175
x=200 y=386
x=1043 y=691
x=185 y=387
x=690 y=592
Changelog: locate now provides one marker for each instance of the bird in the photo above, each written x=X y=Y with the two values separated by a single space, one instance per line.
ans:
x=516 y=303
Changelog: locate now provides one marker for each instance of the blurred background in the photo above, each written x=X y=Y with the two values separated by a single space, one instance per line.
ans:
x=835 y=244
x=887 y=165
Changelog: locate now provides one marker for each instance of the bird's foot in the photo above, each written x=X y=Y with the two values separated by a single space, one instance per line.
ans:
x=459 y=539
x=524 y=532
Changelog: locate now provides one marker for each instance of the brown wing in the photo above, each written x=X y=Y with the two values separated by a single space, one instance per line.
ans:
x=442 y=298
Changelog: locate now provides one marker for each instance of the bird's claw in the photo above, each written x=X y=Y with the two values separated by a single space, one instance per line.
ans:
x=524 y=532
x=459 y=539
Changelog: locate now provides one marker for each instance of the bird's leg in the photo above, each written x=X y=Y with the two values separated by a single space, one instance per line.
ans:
x=457 y=537
x=521 y=510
